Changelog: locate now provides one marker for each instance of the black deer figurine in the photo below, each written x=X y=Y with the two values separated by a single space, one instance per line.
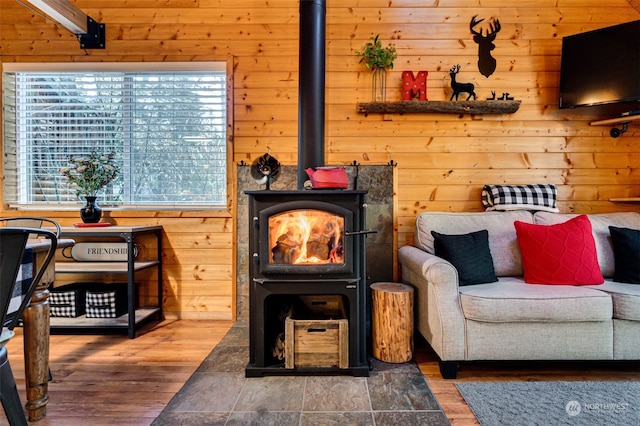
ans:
x=486 y=62
x=460 y=87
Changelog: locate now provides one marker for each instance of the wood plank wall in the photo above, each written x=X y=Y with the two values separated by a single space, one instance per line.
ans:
x=443 y=159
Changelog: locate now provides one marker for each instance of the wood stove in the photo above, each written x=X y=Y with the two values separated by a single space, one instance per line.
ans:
x=305 y=242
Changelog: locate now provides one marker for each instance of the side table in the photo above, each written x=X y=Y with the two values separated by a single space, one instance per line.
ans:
x=392 y=322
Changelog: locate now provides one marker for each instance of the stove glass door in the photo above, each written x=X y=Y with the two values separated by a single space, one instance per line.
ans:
x=306 y=237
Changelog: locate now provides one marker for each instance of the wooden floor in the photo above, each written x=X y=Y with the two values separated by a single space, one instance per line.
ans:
x=114 y=380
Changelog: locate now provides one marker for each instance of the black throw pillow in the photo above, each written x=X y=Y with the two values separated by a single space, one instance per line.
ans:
x=626 y=254
x=469 y=253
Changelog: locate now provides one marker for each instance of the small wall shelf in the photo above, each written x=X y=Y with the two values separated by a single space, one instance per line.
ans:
x=617 y=120
x=623 y=121
x=450 y=107
x=625 y=200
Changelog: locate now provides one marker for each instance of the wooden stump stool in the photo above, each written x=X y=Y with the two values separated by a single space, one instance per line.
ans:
x=392 y=322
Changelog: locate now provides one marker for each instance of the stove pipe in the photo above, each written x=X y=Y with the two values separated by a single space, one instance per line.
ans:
x=311 y=71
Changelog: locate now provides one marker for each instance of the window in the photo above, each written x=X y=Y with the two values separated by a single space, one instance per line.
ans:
x=167 y=129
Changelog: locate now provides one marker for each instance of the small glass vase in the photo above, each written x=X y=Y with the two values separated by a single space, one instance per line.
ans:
x=90 y=212
x=379 y=85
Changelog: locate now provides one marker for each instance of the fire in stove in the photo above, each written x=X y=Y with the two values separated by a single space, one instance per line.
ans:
x=306 y=236
x=306 y=244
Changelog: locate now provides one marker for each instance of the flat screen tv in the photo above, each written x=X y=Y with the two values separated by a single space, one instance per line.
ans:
x=601 y=67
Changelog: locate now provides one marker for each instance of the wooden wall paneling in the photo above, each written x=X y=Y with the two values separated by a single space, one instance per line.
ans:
x=442 y=160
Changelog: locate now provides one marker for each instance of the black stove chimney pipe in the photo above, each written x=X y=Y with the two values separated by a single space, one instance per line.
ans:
x=311 y=70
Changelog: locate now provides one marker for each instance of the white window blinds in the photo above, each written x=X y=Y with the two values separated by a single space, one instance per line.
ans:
x=166 y=128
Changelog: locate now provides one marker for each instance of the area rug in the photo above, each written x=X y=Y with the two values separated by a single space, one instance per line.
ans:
x=553 y=403
x=218 y=393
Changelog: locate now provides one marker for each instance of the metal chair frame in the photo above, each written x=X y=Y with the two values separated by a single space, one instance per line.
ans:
x=30 y=222
x=13 y=242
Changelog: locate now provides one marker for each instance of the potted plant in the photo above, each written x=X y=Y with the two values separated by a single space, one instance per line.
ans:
x=379 y=60
x=89 y=174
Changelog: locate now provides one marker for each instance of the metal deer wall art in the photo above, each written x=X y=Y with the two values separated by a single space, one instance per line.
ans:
x=486 y=62
x=460 y=87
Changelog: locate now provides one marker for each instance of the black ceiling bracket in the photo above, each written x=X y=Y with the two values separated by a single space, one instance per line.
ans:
x=95 y=37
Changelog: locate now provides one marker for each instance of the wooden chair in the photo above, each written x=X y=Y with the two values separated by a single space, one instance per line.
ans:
x=13 y=301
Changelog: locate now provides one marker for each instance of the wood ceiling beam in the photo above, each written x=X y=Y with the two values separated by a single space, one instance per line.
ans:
x=63 y=12
x=90 y=33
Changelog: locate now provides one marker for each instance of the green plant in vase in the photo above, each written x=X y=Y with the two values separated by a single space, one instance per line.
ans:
x=89 y=174
x=379 y=60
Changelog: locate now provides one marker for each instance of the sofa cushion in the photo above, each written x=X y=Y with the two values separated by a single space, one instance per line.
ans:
x=600 y=226
x=626 y=254
x=563 y=253
x=512 y=300
x=626 y=299
x=470 y=255
x=499 y=225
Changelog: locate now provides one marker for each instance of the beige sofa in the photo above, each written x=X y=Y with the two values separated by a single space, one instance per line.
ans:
x=510 y=319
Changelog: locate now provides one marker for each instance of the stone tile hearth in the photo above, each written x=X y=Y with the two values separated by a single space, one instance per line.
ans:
x=219 y=394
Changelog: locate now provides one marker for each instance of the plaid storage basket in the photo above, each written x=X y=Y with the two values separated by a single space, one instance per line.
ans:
x=67 y=301
x=106 y=300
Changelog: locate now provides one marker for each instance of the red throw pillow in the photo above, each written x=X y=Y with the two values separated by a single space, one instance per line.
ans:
x=564 y=253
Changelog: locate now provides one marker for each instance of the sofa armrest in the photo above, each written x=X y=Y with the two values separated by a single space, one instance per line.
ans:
x=439 y=312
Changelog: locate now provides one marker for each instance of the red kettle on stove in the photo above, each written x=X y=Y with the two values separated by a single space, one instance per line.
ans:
x=328 y=177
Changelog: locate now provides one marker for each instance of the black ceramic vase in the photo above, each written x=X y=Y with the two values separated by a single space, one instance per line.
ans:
x=90 y=213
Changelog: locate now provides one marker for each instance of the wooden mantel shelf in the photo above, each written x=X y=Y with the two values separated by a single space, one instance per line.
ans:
x=451 y=107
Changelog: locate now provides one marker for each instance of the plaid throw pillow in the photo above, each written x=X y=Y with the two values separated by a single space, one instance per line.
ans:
x=520 y=197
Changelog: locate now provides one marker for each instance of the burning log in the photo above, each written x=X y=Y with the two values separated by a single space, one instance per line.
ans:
x=306 y=237
x=318 y=248
x=286 y=251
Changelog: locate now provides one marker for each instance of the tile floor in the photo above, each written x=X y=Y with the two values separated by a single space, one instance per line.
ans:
x=219 y=394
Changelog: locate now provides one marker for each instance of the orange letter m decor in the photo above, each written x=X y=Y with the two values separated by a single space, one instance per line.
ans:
x=412 y=87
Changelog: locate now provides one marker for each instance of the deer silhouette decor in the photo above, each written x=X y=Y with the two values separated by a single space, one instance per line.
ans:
x=486 y=62
x=460 y=87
